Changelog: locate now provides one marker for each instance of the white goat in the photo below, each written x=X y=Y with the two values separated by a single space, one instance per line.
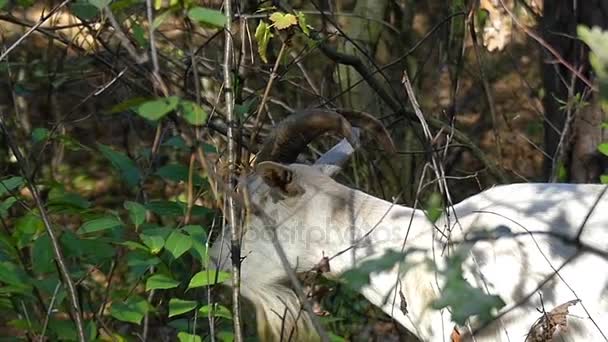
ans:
x=537 y=246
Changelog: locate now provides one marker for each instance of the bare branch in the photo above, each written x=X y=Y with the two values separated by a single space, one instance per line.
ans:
x=63 y=268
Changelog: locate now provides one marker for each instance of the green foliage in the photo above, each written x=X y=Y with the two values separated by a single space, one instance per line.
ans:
x=39 y=134
x=10 y=184
x=84 y=10
x=131 y=310
x=178 y=243
x=360 y=276
x=207 y=16
x=464 y=300
x=179 y=306
x=215 y=310
x=193 y=113
x=208 y=277
x=597 y=40
x=185 y=337
x=263 y=34
x=178 y=173
x=156 y=109
x=129 y=171
x=434 y=206
x=100 y=4
x=103 y=223
x=160 y=281
x=137 y=213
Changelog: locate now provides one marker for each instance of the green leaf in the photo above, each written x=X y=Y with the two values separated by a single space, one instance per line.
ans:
x=178 y=173
x=193 y=113
x=225 y=336
x=161 y=281
x=15 y=277
x=27 y=226
x=360 y=276
x=597 y=39
x=241 y=110
x=84 y=10
x=39 y=134
x=132 y=245
x=434 y=206
x=464 y=300
x=302 y=23
x=195 y=231
x=207 y=277
x=562 y=172
x=64 y=330
x=262 y=36
x=217 y=311
x=176 y=142
x=137 y=212
x=198 y=236
x=156 y=109
x=165 y=208
x=6 y=205
x=178 y=243
x=140 y=264
x=3 y=3
x=127 y=104
x=132 y=310
x=159 y=19
x=127 y=167
x=96 y=225
x=91 y=330
x=154 y=242
x=335 y=338
x=603 y=148
x=60 y=200
x=604 y=179
x=185 y=337
x=42 y=255
x=139 y=34
x=100 y=3
x=282 y=21
x=207 y=16
x=10 y=184
x=179 y=306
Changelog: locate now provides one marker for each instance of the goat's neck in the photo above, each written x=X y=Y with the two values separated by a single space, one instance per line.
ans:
x=377 y=227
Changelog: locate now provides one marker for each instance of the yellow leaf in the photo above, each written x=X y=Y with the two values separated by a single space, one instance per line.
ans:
x=282 y=21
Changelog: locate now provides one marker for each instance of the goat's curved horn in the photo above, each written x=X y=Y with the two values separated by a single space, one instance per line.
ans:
x=371 y=126
x=294 y=133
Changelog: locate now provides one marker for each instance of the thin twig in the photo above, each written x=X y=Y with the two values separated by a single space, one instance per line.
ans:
x=139 y=58
x=273 y=76
x=232 y=215
x=61 y=263
x=33 y=28
x=549 y=48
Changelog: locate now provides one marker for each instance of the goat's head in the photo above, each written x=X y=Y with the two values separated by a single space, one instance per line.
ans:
x=299 y=203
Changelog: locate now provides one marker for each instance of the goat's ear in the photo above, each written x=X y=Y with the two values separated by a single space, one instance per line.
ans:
x=279 y=177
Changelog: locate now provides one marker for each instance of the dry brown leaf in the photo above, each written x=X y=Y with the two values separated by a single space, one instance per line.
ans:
x=455 y=336
x=496 y=32
x=403 y=304
x=551 y=323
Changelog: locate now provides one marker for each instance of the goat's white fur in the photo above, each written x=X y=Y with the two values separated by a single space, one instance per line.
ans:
x=328 y=217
